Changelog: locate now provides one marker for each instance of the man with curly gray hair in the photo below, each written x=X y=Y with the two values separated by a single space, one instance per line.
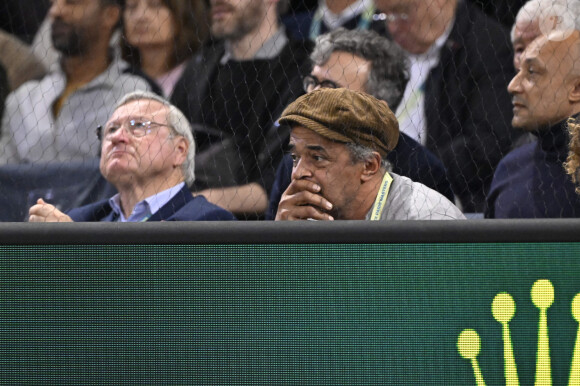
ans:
x=387 y=70
x=147 y=153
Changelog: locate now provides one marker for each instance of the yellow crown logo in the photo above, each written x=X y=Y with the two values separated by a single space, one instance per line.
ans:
x=503 y=309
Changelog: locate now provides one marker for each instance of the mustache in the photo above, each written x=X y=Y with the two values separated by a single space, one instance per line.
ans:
x=58 y=23
x=517 y=101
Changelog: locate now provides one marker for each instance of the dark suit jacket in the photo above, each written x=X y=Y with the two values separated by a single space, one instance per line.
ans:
x=467 y=106
x=182 y=207
x=408 y=159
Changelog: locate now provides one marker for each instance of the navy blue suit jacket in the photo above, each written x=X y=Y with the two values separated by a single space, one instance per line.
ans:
x=408 y=159
x=182 y=207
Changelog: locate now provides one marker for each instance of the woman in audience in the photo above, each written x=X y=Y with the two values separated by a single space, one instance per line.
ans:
x=160 y=35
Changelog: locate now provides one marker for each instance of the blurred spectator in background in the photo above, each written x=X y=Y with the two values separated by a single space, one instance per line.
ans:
x=148 y=155
x=160 y=35
x=44 y=50
x=530 y=182
x=364 y=61
x=54 y=119
x=331 y=14
x=19 y=61
x=339 y=141
x=455 y=102
x=526 y=27
x=233 y=91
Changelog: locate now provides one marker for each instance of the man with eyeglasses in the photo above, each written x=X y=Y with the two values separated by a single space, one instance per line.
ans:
x=147 y=153
x=364 y=61
x=455 y=103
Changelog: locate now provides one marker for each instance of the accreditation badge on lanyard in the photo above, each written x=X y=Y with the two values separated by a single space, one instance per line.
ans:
x=381 y=199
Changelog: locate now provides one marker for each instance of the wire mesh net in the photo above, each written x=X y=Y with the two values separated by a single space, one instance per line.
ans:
x=233 y=66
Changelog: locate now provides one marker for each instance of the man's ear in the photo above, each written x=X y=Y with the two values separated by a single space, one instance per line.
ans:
x=575 y=92
x=112 y=16
x=181 y=150
x=372 y=166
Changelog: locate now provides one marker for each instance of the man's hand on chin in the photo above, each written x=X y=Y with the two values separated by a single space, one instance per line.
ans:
x=302 y=201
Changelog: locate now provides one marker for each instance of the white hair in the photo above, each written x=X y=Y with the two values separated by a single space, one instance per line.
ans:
x=535 y=10
x=177 y=121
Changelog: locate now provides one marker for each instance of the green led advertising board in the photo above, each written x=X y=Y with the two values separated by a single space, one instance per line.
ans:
x=295 y=314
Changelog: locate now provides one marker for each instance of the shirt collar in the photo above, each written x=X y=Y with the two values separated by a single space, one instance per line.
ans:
x=146 y=208
x=111 y=74
x=269 y=50
x=108 y=77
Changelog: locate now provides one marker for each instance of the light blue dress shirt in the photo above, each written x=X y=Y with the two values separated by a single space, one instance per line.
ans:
x=146 y=208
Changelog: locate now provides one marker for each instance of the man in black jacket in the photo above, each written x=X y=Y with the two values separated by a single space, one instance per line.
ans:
x=456 y=102
x=233 y=92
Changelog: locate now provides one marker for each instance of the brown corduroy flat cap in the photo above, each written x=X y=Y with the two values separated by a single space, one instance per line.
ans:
x=345 y=116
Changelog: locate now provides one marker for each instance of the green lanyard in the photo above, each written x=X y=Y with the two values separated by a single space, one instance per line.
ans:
x=381 y=199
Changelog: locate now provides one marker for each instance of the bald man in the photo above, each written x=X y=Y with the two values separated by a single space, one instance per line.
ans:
x=530 y=182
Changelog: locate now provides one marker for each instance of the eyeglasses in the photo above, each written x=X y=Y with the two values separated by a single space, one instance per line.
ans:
x=310 y=83
x=137 y=128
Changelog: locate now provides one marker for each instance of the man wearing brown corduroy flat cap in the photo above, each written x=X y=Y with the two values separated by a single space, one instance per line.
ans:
x=339 y=141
